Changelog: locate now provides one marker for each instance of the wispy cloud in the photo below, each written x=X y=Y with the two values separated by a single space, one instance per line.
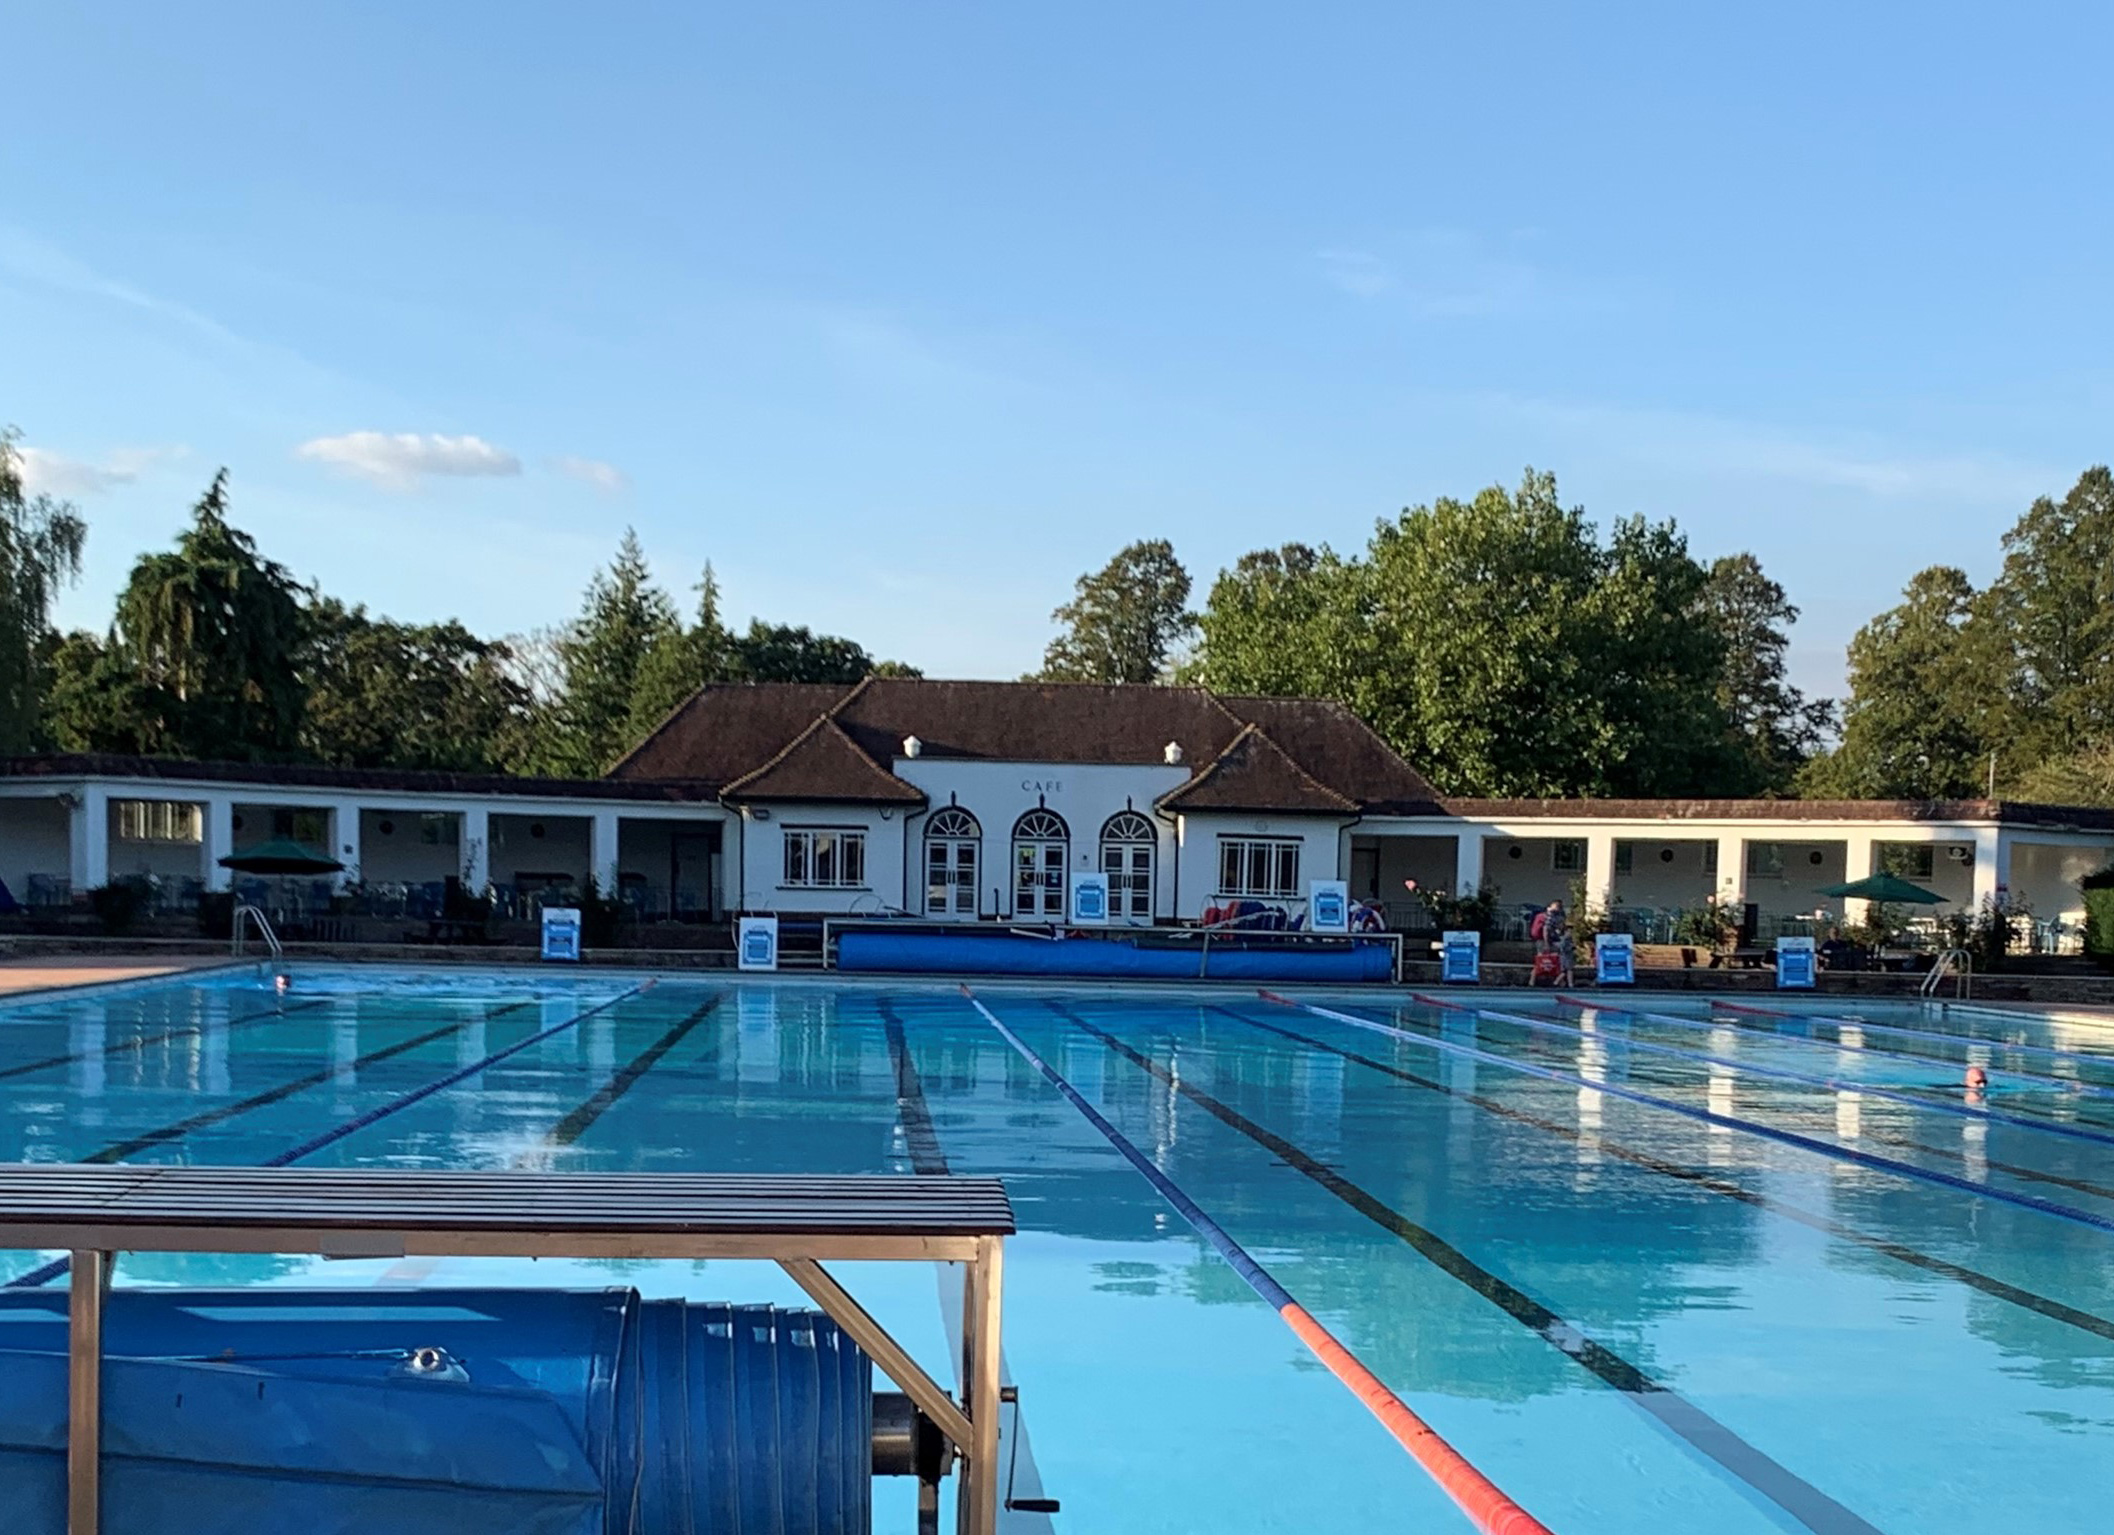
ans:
x=605 y=477
x=1438 y=274
x=46 y=472
x=1693 y=441
x=399 y=460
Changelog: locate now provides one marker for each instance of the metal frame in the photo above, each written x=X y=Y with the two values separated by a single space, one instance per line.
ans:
x=85 y=1211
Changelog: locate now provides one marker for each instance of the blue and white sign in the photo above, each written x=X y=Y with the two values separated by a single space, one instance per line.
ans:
x=1614 y=959
x=1796 y=964
x=1090 y=899
x=561 y=933
x=1461 y=959
x=1328 y=906
x=756 y=944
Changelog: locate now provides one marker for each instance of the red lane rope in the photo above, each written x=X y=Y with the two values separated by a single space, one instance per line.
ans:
x=1486 y=1504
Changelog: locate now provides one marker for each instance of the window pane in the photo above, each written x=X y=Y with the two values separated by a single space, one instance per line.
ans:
x=796 y=858
x=1288 y=869
x=965 y=860
x=854 y=872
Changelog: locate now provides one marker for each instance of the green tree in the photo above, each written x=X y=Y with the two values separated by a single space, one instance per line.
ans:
x=1124 y=620
x=40 y=550
x=1496 y=642
x=1775 y=728
x=213 y=634
x=1922 y=691
x=783 y=653
x=601 y=657
x=681 y=663
x=2050 y=622
x=388 y=694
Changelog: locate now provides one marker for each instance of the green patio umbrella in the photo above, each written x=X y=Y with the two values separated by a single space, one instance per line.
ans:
x=1886 y=889
x=280 y=856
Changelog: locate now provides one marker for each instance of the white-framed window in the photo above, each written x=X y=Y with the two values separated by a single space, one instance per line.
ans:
x=159 y=820
x=1042 y=846
x=1567 y=856
x=953 y=846
x=825 y=857
x=1765 y=860
x=1128 y=842
x=1710 y=858
x=1258 y=866
x=1625 y=857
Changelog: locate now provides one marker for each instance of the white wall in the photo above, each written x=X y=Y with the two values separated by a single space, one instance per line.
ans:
x=1320 y=854
x=35 y=838
x=1521 y=870
x=1668 y=875
x=399 y=856
x=762 y=856
x=2045 y=877
x=998 y=794
x=562 y=849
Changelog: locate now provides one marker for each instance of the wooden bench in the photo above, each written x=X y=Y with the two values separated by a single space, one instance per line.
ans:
x=797 y=1222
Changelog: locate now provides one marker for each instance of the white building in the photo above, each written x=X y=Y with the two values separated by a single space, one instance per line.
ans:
x=968 y=800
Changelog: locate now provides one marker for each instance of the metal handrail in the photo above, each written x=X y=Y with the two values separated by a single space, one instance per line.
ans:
x=264 y=930
x=1960 y=965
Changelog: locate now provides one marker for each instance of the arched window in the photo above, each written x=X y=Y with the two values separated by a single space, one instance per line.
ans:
x=1042 y=846
x=952 y=842
x=1127 y=845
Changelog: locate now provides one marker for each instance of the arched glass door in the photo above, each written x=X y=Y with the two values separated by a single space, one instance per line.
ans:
x=1042 y=846
x=952 y=843
x=1127 y=845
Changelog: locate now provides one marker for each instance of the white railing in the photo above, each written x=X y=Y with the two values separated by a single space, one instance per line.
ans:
x=1956 y=963
x=263 y=924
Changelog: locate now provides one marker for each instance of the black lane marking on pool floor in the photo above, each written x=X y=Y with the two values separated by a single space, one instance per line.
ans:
x=118 y=1151
x=1695 y=1177
x=143 y=1041
x=920 y=1136
x=1776 y=1482
x=1535 y=1047
x=576 y=1124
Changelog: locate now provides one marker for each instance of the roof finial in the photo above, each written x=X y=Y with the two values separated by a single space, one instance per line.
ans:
x=1173 y=753
x=913 y=747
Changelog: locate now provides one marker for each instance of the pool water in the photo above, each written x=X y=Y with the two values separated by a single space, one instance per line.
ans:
x=1689 y=1271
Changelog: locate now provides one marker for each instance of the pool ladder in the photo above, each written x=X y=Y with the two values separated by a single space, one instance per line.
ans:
x=255 y=915
x=1959 y=964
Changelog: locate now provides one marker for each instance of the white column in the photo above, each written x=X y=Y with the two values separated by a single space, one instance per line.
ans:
x=88 y=840
x=1732 y=869
x=1600 y=869
x=345 y=841
x=1992 y=864
x=218 y=842
x=1468 y=862
x=476 y=850
x=1858 y=861
x=602 y=853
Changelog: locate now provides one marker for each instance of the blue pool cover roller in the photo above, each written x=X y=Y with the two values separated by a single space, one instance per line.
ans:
x=459 y=1412
x=1019 y=954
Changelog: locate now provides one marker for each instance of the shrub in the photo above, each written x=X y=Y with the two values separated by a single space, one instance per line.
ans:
x=118 y=904
x=1709 y=926
x=1462 y=913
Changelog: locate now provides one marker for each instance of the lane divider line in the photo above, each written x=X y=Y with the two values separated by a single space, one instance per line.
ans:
x=1779 y=1073
x=142 y=1042
x=59 y=1266
x=1767 y=1477
x=1696 y=1177
x=1703 y=1116
x=1834 y=1022
x=576 y=1124
x=921 y=1137
x=1487 y=1506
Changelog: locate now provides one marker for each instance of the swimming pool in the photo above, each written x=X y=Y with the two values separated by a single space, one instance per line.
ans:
x=1673 y=1271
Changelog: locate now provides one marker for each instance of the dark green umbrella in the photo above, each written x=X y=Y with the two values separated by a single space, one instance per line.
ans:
x=1886 y=889
x=280 y=856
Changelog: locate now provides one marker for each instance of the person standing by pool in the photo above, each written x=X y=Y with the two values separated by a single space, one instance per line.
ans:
x=1556 y=931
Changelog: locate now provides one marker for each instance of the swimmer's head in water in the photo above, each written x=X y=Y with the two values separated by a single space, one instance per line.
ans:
x=1977 y=1077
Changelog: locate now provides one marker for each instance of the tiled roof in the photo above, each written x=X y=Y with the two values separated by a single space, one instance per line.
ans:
x=370 y=780
x=822 y=765
x=2009 y=812
x=1254 y=773
x=1319 y=758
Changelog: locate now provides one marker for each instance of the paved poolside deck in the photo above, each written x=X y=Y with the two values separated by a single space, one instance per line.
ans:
x=47 y=972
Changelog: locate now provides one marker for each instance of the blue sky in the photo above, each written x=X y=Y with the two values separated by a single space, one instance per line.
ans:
x=905 y=314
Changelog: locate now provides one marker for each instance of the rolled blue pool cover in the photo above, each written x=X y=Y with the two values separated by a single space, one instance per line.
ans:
x=583 y=1413
x=1006 y=953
